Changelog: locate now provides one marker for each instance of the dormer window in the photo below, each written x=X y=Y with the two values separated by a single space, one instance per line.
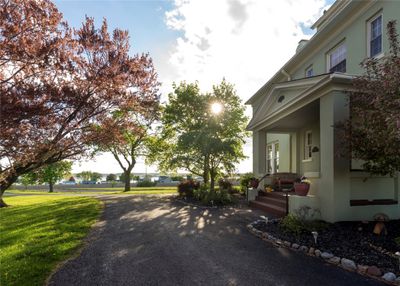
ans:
x=337 y=59
x=375 y=36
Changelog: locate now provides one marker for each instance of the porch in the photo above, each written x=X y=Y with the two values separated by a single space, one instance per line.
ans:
x=293 y=132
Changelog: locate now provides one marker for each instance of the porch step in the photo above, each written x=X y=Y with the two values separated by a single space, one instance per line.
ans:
x=277 y=201
x=269 y=207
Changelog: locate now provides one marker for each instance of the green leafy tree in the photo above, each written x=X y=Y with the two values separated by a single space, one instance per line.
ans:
x=111 y=177
x=52 y=173
x=95 y=177
x=28 y=179
x=84 y=175
x=373 y=130
x=201 y=132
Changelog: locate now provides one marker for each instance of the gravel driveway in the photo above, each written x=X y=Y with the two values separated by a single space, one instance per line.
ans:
x=154 y=240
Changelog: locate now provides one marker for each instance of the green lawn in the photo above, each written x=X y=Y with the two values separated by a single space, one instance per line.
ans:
x=37 y=232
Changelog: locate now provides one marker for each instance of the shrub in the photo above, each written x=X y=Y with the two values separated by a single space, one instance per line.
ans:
x=146 y=183
x=176 y=178
x=291 y=224
x=224 y=184
x=245 y=181
x=208 y=197
x=186 y=188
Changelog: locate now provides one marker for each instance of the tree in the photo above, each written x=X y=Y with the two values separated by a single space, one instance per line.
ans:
x=96 y=177
x=202 y=133
x=28 y=179
x=63 y=90
x=52 y=173
x=132 y=141
x=111 y=178
x=85 y=175
x=373 y=129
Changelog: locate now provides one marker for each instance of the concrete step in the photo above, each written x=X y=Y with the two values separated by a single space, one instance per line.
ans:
x=269 y=208
x=280 y=202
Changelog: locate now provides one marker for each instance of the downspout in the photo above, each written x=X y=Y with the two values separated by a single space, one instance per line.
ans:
x=286 y=74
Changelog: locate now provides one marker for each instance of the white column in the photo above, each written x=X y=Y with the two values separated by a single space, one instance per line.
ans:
x=259 y=149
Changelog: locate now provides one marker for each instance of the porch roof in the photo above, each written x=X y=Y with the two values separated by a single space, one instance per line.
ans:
x=286 y=97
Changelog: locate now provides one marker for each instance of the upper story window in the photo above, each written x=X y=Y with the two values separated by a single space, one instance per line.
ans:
x=375 y=36
x=337 y=59
x=309 y=71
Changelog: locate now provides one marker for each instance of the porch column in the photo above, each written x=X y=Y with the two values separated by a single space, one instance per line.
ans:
x=335 y=169
x=259 y=149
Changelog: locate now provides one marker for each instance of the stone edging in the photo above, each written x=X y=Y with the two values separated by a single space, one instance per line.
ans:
x=347 y=264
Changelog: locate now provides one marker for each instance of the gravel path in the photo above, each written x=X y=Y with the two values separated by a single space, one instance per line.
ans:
x=154 y=240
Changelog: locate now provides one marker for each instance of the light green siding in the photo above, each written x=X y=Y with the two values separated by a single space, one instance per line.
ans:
x=355 y=38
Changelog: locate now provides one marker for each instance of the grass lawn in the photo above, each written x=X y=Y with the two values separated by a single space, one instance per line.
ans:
x=37 y=232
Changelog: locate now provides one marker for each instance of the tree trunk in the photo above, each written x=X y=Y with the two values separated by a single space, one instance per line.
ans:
x=51 y=189
x=127 y=174
x=4 y=185
x=206 y=170
x=212 y=180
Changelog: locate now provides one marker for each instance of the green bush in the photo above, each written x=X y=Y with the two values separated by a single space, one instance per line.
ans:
x=187 y=187
x=295 y=225
x=218 y=197
x=397 y=241
x=245 y=180
x=145 y=184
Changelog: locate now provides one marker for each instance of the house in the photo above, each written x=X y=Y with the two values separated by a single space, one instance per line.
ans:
x=293 y=114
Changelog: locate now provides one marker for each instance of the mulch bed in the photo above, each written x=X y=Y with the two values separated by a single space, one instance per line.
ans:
x=352 y=240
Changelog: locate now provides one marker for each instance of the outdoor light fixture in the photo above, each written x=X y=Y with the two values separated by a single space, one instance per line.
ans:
x=264 y=218
x=216 y=108
x=281 y=98
x=315 y=235
x=315 y=149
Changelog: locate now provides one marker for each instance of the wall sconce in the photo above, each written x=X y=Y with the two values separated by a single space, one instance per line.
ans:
x=281 y=98
x=315 y=149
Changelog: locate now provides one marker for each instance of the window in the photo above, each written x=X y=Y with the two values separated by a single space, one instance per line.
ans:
x=309 y=71
x=308 y=145
x=375 y=36
x=273 y=158
x=337 y=59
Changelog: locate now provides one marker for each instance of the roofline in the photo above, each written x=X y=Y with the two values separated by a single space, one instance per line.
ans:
x=300 y=54
x=327 y=79
x=336 y=7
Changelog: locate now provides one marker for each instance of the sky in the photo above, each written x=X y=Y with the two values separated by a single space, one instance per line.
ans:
x=243 y=41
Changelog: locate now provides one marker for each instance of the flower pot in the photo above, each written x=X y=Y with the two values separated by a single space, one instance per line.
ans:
x=301 y=189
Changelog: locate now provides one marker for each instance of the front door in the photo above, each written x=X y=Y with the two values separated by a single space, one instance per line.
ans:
x=273 y=158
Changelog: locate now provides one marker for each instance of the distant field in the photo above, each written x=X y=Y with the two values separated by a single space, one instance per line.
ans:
x=37 y=232
x=114 y=191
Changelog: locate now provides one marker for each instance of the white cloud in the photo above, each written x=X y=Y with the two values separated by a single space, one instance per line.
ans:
x=244 y=41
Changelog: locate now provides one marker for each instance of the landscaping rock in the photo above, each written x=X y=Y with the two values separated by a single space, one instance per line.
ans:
x=317 y=253
x=389 y=276
x=398 y=280
x=295 y=246
x=348 y=264
x=326 y=255
x=311 y=250
x=334 y=260
x=374 y=271
x=303 y=248
x=287 y=243
x=278 y=241
x=362 y=268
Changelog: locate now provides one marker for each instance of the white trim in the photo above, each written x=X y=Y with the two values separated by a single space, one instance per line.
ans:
x=369 y=22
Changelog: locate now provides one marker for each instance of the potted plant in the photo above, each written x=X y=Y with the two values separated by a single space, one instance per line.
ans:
x=302 y=186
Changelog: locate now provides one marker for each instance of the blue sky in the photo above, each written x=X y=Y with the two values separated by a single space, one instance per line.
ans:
x=244 y=41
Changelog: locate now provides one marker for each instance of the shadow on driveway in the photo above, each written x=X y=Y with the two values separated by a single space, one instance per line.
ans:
x=155 y=240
